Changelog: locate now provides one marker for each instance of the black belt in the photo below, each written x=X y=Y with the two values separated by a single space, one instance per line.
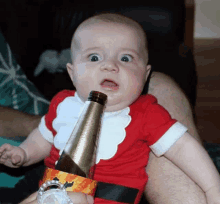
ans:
x=116 y=192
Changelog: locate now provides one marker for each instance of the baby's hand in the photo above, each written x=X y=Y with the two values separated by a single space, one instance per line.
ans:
x=12 y=156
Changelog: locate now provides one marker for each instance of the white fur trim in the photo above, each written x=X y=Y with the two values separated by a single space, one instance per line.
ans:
x=112 y=133
x=176 y=131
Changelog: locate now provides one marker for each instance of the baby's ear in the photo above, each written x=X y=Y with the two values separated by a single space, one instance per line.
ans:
x=70 y=67
x=148 y=71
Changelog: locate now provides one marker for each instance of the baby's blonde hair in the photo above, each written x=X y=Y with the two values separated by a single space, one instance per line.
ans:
x=110 y=18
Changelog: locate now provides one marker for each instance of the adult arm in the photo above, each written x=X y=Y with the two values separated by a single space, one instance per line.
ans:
x=15 y=123
x=168 y=184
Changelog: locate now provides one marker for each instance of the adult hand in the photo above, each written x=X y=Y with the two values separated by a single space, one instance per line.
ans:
x=77 y=198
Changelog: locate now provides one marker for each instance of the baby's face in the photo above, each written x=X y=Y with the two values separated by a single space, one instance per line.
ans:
x=110 y=59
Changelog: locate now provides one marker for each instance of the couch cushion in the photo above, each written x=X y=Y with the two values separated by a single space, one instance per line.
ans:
x=16 y=91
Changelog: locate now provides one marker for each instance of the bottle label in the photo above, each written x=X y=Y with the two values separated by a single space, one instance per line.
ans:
x=72 y=182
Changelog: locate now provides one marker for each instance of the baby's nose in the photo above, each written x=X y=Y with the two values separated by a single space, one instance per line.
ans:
x=109 y=66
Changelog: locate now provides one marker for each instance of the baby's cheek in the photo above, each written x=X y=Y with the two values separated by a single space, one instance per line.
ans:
x=81 y=71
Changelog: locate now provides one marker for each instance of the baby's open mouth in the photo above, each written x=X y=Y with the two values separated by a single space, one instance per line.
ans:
x=109 y=84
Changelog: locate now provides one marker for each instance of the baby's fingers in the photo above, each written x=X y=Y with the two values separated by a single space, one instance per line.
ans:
x=10 y=156
x=4 y=150
x=5 y=147
x=16 y=160
x=3 y=156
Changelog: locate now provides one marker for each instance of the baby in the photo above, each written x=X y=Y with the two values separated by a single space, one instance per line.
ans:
x=109 y=54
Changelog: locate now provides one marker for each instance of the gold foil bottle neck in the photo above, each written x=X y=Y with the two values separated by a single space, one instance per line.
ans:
x=82 y=144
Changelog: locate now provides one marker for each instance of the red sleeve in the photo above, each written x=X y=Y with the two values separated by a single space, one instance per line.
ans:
x=157 y=121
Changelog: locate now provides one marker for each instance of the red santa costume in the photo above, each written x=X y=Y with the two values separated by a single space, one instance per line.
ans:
x=126 y=138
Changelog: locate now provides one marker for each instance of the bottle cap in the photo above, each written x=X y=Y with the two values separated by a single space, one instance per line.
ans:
x=98 y=97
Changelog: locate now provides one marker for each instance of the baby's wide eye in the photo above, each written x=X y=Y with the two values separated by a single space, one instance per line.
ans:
x=126 y=58
x=94 y=57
